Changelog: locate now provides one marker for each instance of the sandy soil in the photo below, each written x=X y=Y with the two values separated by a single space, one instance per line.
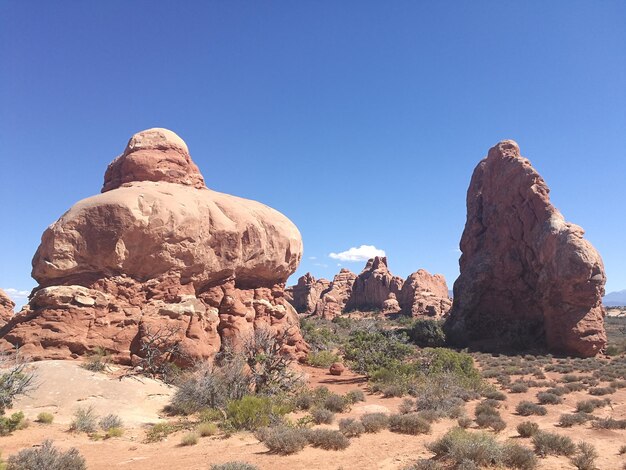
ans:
x=64 y=386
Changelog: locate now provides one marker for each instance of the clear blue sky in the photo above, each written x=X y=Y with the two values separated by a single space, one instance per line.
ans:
x=361 y=121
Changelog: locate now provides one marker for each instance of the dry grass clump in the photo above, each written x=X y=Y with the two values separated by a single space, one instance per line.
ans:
x=374 y=422
x=589 y=406
x=585 y=458
x=45 y=418
x=527 y=429
x=85 y=420
x=546 y=398
x=189 y=439
x=207 y=429
x=411 y=423
x=234 y=466
x=547 y=443
x=571 y=419
x=527 y=408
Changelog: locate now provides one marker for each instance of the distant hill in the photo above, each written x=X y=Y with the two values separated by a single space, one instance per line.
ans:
x=615 y=299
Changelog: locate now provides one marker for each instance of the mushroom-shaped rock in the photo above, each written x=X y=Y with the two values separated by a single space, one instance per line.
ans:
x=170 y=255
x=528 y=278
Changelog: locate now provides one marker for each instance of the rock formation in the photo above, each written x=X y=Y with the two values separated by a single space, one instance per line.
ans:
x=6 y=308
x=391 y=305
x=528 y=278
x=424 y=294
x=372 y=287
x=307 y=292
x=157 y=253
x=333 y=300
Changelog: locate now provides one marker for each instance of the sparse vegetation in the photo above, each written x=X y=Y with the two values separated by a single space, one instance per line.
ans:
x=85 y=420
x=46 y=457
x=322 y=358
x=15 y=380
x=327 y=439
x=375 y=422
x=410 y=423
x=12 y=423
x=527 y=408
x=322 y=416
x=45 y=418
x=527 y=429
x=586 y=457
x=547 y=443
x=189 y=439
x=234 y=466
x=350 y=427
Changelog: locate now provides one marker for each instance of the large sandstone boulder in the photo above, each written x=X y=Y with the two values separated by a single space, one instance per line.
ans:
x=333 y=300
x=6 y=308
x=528 y=278
x=307 y=292
x=159 y=253
x=425 y=295
x=372 y=287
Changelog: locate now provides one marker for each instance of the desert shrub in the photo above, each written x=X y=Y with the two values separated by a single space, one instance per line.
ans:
x=8 y=424
x=160 y=431
x=368 y=351
x=189 y=439
x=335 y=403
x=599 y=391
x=283 y=439
x=429 y=415
x=327 y=439
x=527 y=429
x=518 y=387
x=391 y=391
x=97 y=361
x=15 y=380
x=234 y=466
x=85 y=420
x=527 y=408
x=350 y=427
x=252 y=412
x=559 y=391
x=110 y=421
x=211 y=387
x=546 y=398
x=570 y=419
x=45 y=418
x=487 y=416
x=442 y=360
x=622 y=450
x=322 y=358
x=517 y=456
x=427 y=334
x=547 y=443
x=355 y=396
x=494 y=394
x=444 y=393
x=322 y=416
x=207 y=429
x=465 y=422
x=374 y=422
x=46 y=457
x=424 y=464
x=586 y=457
x=574 y=386
x=609 y=423
x=460 y=447
x=406 y=406
x=589 y=406
x=114 y=432
x=410 y=423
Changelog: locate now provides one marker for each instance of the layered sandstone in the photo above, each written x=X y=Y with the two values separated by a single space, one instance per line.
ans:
x=373 y=285
x=159 y=252
x=333 y=300
x=528 y=278
x=425 y=295
x=6 y=308
x=307 y=292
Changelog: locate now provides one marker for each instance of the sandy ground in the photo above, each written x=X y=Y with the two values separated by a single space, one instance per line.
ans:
x=64 y=386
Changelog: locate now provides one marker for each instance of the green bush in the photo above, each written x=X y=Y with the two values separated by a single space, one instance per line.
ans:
x=45 y=418
x=322 y=416
x=85 y=420
x=369 y=351
x=284 y=440
x=47 y=457
x=11 y=423
x=410 y=423
x=375 y=422
x=253 y=412
x=441 y=360
x=427 y=334
x=350 y=427
x=322 y=359
x=327 y=439
x=527 y=408
x=547 y=443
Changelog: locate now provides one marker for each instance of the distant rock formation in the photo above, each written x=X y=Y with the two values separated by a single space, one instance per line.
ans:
x=421 y=295
x=306 y=293
x=6 y=308
x=425 y=295
x=372 y=287
x=528 y=278
x=159 y=252
x=333 y=300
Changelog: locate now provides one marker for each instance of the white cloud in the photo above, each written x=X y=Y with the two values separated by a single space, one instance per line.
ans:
x=312 y=257
x=321 y=265
x=17 y=295
x=362 y=253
